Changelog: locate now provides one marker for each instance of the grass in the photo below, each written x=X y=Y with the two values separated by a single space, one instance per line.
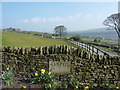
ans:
x=107 y=49
x=0 y=38
x=103 y=42
x=26 y=40
x=87 y=39
x=34 y=32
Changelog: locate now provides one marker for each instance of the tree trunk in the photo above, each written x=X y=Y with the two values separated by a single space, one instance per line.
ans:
x=118 y=44
x=60 y=36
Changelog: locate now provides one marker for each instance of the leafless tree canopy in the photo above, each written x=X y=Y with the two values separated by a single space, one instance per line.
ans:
x=113 y=21
x=60 y=30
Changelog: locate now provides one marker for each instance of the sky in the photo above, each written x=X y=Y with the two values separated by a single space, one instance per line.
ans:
x=60 y=0
x=45 y=16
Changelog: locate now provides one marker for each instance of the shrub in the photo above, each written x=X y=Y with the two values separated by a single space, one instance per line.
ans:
x=76 y=38
x=97 y=40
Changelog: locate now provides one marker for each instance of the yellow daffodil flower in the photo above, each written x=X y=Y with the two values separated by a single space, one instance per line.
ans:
x=42 y=70
x=49 y=73
x=76 y=87
x=117 y=87
x=86 y=88
x=7 y=68
x=81 y=83
x=36 y=74
x=24 y=87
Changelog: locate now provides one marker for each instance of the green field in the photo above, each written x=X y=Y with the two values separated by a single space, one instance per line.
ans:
x=26 y=40
x=107 y=50
x=103 y=42
x=29 y=40
x=0 y=38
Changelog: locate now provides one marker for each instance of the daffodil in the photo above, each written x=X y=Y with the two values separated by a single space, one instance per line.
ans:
x=76 y=87
x=36 y=74
x=49 y=73
x=42 y=70
x=24 y=87
x=81 y=83
x=86 y=88
x=117 y=87
x=7 y=68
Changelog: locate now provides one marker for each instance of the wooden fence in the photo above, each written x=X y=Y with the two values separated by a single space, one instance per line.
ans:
x=92 y=49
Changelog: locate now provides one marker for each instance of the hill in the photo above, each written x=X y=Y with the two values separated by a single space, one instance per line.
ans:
x=28 y=40
x=100 y=32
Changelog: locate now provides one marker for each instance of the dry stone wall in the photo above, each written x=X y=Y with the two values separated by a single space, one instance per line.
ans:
x=84 y=66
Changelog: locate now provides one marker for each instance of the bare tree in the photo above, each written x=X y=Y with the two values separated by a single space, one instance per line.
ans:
x=113 y=21
x=60 y=30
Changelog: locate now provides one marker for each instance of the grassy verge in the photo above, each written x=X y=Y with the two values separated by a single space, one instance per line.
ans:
x=107 y=50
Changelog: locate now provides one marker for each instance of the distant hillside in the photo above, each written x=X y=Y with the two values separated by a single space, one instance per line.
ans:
x=100 y=32
x=28 y=40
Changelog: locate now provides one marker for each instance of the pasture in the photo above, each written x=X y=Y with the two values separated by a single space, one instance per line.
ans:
x=27 y=40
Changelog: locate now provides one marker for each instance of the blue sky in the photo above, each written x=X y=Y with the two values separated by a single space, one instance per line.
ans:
x=44 y=16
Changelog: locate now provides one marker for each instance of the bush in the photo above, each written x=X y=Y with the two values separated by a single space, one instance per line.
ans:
x=97 y=40
x=76 y=38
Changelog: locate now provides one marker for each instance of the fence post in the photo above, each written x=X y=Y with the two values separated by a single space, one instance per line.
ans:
x=97 y=50
x=87 y=47
x=92 y=49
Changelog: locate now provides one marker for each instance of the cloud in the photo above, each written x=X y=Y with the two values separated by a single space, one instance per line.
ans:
x=88 y=16
x=25 y=20
x=37 y=20
x=78 y=15
x=52 y=19
x=55 y=19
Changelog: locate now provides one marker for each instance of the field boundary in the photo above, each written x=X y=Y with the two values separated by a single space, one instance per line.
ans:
x=92 y=49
